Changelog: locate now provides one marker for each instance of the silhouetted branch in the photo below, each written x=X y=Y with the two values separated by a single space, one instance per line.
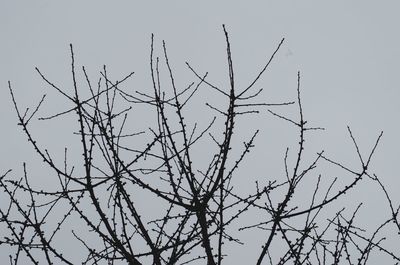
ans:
x=137 y=192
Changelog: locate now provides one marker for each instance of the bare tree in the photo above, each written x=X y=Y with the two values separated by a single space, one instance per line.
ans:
x=197 y=207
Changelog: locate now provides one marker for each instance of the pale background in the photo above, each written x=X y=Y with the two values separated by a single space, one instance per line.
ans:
x=348 y=53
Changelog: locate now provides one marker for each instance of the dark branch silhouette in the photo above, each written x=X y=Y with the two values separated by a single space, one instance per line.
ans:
x=199 y=205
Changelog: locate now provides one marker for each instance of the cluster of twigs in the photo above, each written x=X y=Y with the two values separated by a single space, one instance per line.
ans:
x=198 y=204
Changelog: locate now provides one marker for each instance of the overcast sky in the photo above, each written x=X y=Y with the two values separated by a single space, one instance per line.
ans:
x=348 y=53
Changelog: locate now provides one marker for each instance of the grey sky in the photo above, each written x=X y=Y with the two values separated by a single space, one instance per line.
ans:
x=348 y=53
